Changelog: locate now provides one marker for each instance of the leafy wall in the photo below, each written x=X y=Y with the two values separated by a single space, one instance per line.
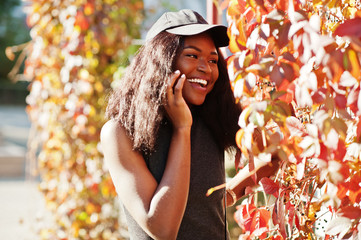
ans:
x=76 y=48
x=295 y=69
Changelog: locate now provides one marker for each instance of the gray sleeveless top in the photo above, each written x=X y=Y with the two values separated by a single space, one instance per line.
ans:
x=204 y=217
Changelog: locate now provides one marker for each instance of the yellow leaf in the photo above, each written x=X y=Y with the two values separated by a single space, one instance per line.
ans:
x=355 y=64
x=331 y=3
x=242 y=37
x=239 y=136
x=349 y=12
x=317 y=2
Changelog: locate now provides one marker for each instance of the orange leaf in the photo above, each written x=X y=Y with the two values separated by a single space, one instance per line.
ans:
x=282 y=5
x=355 y=193
x=9 y=53
x=81 y=21
x=290 y=92
x=341 y=190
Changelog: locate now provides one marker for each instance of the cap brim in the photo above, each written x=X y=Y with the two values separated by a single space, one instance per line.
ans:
x=218 y=32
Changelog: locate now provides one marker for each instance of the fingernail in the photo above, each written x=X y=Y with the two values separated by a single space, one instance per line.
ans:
x=177 y=72
x=183 y=76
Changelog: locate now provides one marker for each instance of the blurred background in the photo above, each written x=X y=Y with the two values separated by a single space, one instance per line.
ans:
x=20 y=200
x=22 y=205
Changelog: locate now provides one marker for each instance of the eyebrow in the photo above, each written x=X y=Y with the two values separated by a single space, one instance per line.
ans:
x=199 y=50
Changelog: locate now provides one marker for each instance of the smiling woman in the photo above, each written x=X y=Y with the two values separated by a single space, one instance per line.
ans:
x=171 y=119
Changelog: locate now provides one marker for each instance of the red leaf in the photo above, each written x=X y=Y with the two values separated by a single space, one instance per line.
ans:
x=350 y=212
x=340 y=101
x=269 y=186
x=252 y=219
x=277 y=76
x=297 y=221
x=291 y=214
x=243 y=215
x=319 y=96
x=289 y=72
x=281 y=216
x=340 y=152
x=251 y=166
x=283 y=40
x=350 y=27
x=323 y=152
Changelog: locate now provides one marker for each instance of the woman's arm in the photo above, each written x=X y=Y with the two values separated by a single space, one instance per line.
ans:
x=157 y=208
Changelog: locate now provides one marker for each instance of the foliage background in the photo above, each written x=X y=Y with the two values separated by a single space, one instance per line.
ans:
x=295 y=68
x=75 y=48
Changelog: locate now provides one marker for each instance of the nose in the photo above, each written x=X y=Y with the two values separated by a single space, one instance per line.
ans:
x=203 y=66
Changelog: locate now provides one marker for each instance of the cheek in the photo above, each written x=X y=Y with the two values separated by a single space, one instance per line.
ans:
x=215 y=75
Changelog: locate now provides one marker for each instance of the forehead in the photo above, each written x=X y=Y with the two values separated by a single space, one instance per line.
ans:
x=202 y=40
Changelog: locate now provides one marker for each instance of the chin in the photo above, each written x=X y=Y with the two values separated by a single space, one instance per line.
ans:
x=195 y=102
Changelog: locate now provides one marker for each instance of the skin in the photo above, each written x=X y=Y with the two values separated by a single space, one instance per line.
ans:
x=159 y=208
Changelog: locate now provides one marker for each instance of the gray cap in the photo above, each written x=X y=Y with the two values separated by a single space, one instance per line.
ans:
x=187 y=22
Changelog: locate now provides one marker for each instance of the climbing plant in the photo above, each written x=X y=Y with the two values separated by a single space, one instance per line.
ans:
x=76 y=46
x=295 y=69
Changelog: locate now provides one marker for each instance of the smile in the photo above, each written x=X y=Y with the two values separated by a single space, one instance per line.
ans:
x=201 y=82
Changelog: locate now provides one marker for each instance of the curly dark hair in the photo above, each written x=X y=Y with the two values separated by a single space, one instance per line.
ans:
x=138 y=101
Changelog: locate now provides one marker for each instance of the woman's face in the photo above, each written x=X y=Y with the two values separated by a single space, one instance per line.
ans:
x=198 y=61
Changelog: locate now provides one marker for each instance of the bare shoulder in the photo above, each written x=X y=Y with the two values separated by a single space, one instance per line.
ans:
x=114 y=139
x=112 y=131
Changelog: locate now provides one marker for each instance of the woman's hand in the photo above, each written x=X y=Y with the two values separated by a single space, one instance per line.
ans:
x=176 y=107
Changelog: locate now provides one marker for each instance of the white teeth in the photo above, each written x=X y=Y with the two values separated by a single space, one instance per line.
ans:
x=200 y=81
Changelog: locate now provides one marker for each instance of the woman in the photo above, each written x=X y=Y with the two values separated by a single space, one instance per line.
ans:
x=171 y=120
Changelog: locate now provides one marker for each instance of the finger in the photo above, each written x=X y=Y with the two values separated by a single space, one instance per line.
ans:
x=170 y=88
x=173 y=80
x=179 y=86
